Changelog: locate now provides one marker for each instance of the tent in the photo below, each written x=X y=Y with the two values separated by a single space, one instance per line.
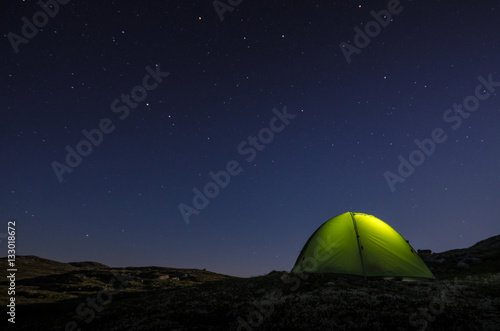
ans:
x=362 y=245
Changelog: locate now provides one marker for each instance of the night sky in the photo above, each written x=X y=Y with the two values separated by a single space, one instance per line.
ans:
x=285 y=113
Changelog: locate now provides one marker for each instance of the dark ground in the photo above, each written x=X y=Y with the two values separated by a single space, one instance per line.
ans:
x=87 y=295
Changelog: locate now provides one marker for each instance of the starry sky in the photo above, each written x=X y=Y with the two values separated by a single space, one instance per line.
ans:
x=117 y=115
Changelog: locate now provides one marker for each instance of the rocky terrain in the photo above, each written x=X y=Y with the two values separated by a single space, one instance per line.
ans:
x=91 y=296
x=482 y=257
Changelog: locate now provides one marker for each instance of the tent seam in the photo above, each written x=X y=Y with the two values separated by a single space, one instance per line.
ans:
x=359 y=245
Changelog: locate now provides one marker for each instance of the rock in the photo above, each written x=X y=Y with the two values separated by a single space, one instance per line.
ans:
x=433 y=258
x=462 y=265
x=179 y=275
x=285 y=277
x=473 y=260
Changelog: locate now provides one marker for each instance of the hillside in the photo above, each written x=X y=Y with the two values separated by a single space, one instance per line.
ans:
x=56 y=296
x=483 y=257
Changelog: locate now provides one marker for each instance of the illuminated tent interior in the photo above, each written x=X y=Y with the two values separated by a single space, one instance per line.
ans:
x=360 y=245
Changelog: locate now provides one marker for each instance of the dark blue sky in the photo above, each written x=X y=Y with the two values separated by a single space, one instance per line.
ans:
x=120 y=204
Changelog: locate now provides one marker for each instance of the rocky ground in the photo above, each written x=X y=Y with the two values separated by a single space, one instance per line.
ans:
x=90 y=296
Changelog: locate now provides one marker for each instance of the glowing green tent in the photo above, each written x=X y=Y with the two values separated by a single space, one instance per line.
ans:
x=362 y=245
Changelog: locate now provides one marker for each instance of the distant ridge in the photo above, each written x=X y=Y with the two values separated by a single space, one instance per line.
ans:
x=88 y=265
x=30 y=266
x=482 y=257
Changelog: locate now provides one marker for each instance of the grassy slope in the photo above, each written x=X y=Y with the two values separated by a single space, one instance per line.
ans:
x=48 y=294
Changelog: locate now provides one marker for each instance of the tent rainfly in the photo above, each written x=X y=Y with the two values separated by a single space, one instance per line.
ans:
x=361 y=245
